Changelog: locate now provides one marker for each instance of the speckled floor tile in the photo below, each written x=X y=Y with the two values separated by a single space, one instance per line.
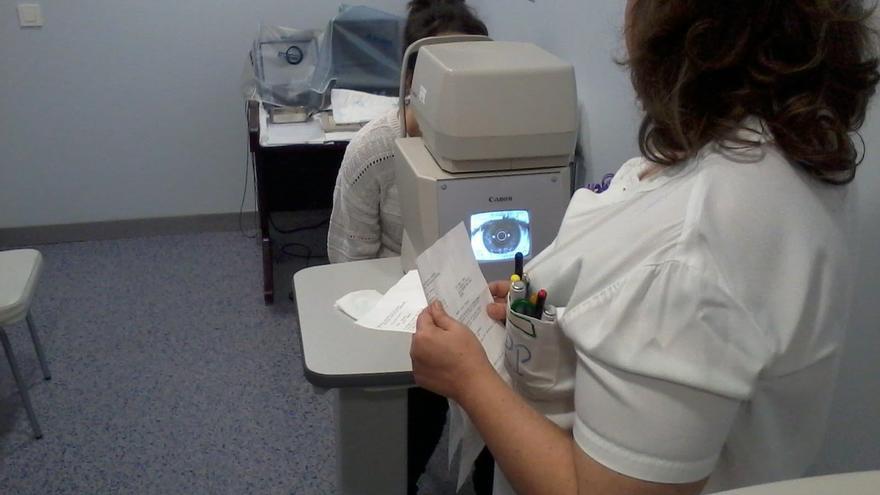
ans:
x=169 y=376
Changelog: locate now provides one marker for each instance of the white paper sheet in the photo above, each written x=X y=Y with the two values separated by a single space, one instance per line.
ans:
x=334 y=136
x=450 y=274
x=351 y=107
x=399 y=308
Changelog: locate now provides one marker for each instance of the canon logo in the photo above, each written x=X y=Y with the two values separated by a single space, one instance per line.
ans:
x=500 y=199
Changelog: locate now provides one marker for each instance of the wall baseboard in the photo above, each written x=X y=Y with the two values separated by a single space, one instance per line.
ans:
x=124 y=229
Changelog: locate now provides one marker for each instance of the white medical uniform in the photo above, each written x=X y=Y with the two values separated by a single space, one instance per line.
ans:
x=707 y=305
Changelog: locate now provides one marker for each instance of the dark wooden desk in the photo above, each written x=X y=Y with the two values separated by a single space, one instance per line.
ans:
x=289 y=178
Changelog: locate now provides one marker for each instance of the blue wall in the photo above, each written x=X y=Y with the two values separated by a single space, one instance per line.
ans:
x=120 y=110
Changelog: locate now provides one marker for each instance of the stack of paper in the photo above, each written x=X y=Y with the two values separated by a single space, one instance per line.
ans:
x=355 y=106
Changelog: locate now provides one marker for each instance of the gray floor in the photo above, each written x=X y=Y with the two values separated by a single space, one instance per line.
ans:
x=169 y=376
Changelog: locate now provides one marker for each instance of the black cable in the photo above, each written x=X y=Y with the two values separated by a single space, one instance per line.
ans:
x=248 y=162
x=298 y=229
x=241 y=208
x=285 y=250
x=253 y=159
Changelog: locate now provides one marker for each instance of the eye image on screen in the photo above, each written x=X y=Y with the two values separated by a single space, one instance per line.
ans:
x=499 y=235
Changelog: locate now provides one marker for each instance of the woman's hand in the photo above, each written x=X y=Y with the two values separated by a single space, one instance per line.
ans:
x=498 y=309
x=446 y=355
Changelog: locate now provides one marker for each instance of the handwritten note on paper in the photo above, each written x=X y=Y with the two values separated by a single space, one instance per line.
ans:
x=399 y=308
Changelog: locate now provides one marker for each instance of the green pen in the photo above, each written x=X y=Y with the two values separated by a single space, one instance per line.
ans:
x=522 y=307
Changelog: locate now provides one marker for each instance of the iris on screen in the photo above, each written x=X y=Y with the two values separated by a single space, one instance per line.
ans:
x=499 y=235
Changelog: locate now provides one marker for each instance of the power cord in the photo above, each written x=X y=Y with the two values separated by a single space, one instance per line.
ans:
x=248 y=164
x=298 y=229
x=287 y=249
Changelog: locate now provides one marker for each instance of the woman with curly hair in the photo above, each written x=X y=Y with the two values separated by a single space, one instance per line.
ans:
x=706 y=292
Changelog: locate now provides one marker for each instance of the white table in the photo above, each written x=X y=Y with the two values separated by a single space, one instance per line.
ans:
x=370 y=369
x=866 y=483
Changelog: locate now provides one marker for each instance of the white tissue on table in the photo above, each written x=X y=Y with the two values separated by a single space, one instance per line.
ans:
x=358 y=303
x=352 y=107
x=399 y=308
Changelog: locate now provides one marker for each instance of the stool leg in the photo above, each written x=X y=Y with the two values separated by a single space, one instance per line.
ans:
x=38 y=346
x=21 y=386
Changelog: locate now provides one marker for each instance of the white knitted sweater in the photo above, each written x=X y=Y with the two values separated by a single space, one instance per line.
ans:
x=366 y=222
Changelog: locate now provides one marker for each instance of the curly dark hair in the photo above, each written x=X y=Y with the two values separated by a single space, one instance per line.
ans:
x=432 y=17
x=807 y=68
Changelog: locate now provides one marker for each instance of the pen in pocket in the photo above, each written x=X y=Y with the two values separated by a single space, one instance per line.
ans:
x=522 y=307
x=518 y=264
x=549 y=313
x=517 y=291
x=539 y=303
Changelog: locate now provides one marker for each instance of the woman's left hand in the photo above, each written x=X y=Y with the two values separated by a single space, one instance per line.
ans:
x=446 y=355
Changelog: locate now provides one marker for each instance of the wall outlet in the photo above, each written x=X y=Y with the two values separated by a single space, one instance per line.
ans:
x=30 y=15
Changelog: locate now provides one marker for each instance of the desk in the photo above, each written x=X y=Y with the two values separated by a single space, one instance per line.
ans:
x=294 y=170
x=866 y=483
x=371 y=369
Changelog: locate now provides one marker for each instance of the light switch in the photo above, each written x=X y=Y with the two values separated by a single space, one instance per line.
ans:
x=30 y=15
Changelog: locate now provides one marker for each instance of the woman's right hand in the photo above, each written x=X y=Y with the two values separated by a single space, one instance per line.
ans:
x=498 y=309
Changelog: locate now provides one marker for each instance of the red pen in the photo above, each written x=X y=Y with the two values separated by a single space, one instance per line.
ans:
x=539 y=303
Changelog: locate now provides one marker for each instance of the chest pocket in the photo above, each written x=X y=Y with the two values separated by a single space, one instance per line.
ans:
x=539 y=357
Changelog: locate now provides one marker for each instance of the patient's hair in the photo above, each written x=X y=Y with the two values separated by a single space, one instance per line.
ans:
x=433 y=17
x=807 y=68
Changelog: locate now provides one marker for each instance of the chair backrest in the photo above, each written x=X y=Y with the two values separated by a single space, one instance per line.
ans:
x=19 y=273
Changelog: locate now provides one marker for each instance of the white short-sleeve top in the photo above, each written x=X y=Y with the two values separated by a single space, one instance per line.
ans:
x=706 y=305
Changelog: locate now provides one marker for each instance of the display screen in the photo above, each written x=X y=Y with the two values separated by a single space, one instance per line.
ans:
x=499 y=235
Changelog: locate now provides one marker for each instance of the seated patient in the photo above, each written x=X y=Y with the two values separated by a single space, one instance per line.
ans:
x=366 y=222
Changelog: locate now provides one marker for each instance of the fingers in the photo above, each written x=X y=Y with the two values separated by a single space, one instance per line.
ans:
x=425 y=320
x=424 y=326
x=441 y=317
x=497 y=311
x=499 y=288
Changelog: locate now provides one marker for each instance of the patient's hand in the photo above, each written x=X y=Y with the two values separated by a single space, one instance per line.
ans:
x=498 y=309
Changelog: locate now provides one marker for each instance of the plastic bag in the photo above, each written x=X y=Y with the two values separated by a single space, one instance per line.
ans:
x=360 y=50
x=282 y=66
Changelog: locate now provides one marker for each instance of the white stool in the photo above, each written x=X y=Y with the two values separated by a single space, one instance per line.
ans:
x=19 y=273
